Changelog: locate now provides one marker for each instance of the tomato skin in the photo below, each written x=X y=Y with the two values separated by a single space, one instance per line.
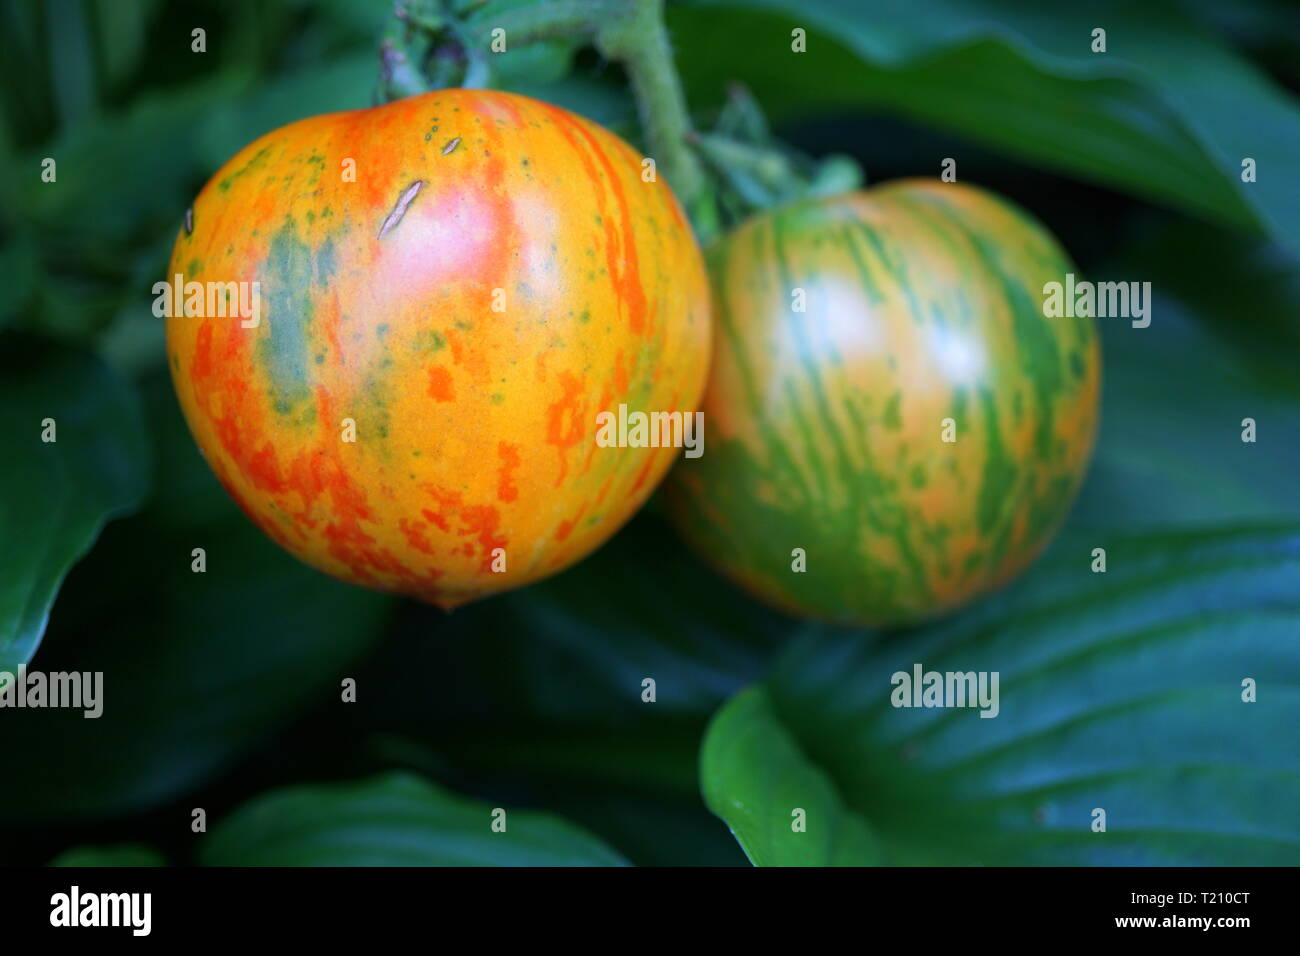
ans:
x=825 y=427
x=474 y=426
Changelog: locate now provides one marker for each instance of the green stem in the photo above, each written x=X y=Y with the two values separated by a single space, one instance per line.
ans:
x=629 y=31
x=547 y=21
x=632 y=33
x=636 y=37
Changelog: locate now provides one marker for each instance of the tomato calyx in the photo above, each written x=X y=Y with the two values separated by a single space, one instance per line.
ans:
x=751 y=171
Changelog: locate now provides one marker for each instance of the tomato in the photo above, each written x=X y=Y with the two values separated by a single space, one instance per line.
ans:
x=452 y=287
x=827 y=486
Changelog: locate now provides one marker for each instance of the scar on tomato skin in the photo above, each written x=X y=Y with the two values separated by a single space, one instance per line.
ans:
x=451 y=146
x=507 y=490
x=399 y=210
x=440 y=384
x=189 y=221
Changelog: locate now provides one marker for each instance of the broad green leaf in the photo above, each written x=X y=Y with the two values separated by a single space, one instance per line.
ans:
x=1245 y=289
x=1220 y=349
x=125 y=854
x=1168 y=113
x=1120 y=691
x=643 y=799
x=754 y=769
x=648 y=829
x=55 y=496
x=397 y=819
x=1170 y=450
x=196 y=666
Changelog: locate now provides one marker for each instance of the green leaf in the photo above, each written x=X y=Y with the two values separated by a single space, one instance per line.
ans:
x=196 y=666
x=56 y=496
x=754 y=770
x=1167 y=113
x=1207 y=269
x=393 y=820
x=1170 y=451
x=1175 y=394
x=1120 y=691
x=649 y=829
x=125 y=854
x=643 y=800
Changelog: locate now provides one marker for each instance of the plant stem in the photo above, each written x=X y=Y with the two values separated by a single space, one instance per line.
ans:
x=635 y=36
x=546 y=21
x=632 y=33
x=628 y=31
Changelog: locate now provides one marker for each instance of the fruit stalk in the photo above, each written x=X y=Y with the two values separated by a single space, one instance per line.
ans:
x=631 y=32
x=636 y=37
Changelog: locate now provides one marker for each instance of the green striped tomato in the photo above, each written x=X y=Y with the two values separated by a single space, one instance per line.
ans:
x=913 y=437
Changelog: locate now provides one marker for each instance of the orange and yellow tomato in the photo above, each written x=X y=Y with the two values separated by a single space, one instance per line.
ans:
x=451 y=288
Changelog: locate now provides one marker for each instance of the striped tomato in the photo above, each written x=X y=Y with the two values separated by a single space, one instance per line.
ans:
x=914 y=436
x=451 y=288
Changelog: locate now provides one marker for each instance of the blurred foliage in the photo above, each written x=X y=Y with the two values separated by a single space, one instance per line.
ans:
x=394 y=820
x=1166 y=113
x=126 y=854
x=224 y=685
x=197 y=666
x=89 y=463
